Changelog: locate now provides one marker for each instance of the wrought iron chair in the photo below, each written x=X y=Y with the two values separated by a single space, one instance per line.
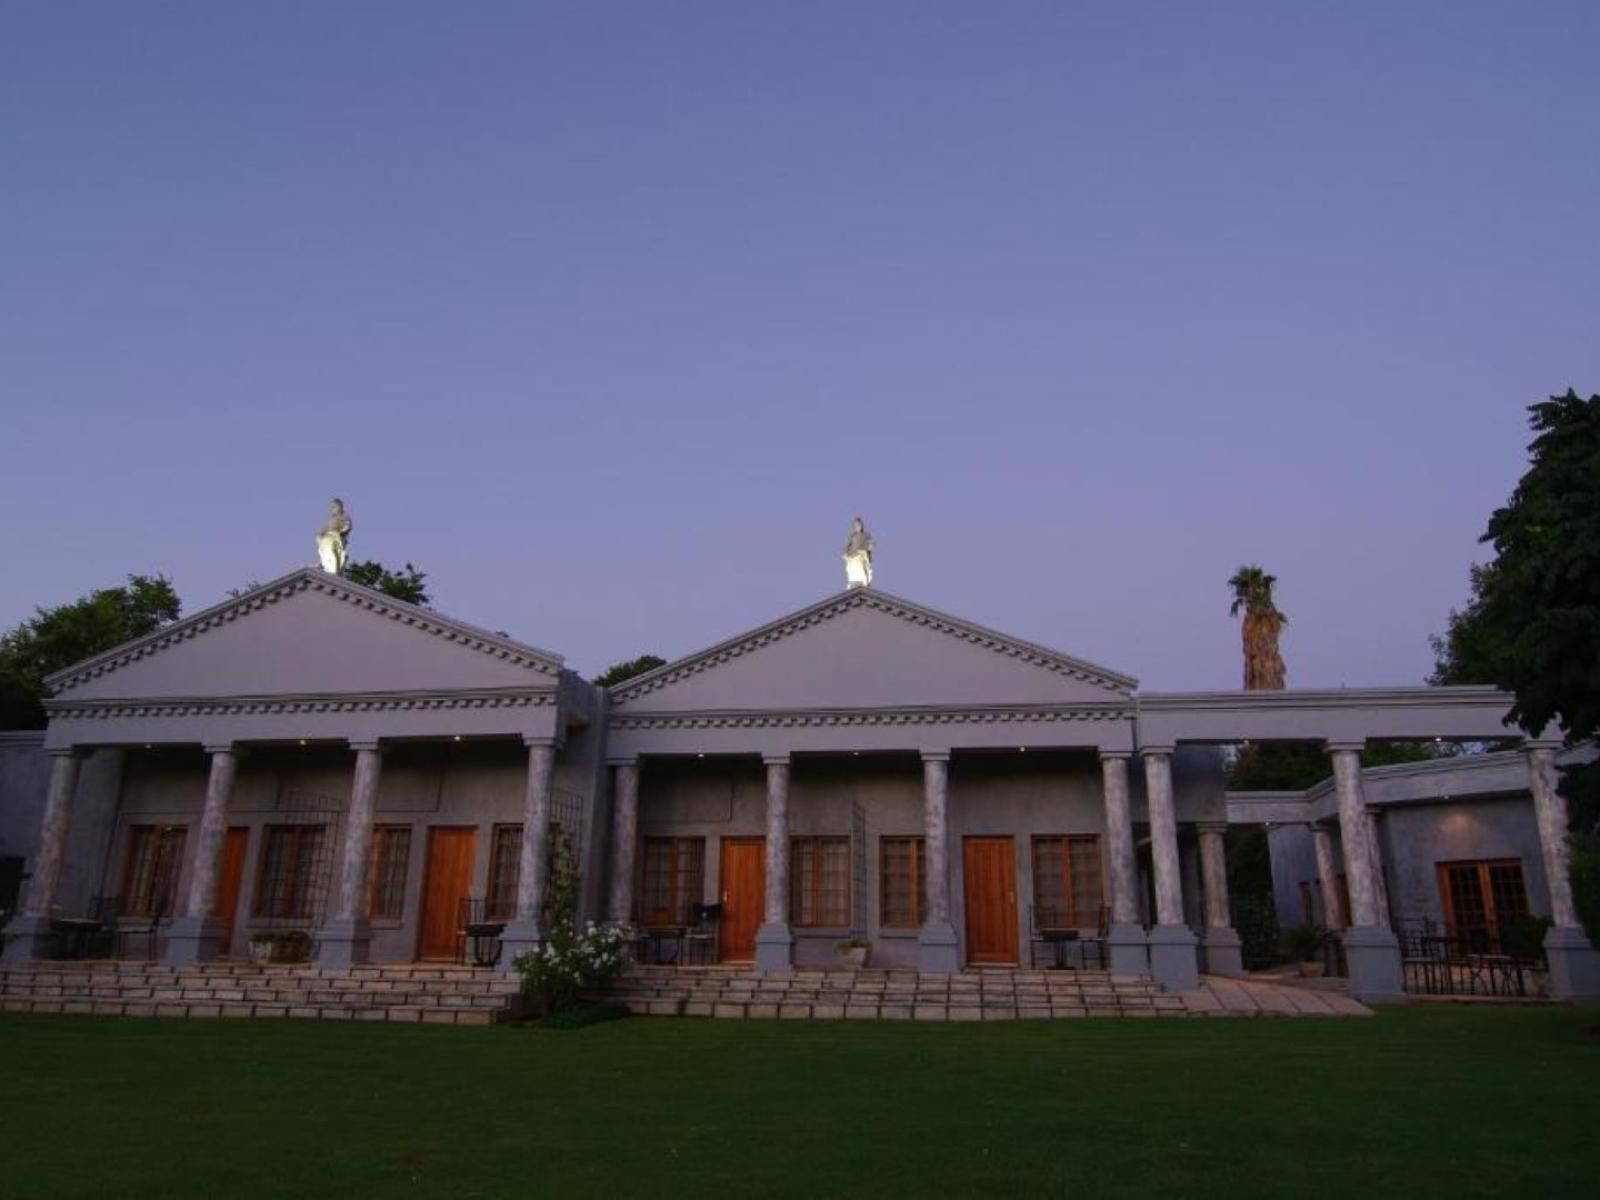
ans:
x=480 y=929
x=146 y=926
x=102 y=942
x=1097 y=943
x=1046 y=927
x=700 y=937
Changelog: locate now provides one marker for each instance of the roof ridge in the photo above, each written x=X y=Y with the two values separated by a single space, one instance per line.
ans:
x=829 y=606
x=301 y=579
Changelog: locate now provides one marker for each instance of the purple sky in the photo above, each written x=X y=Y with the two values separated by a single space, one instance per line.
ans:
x=611 y=318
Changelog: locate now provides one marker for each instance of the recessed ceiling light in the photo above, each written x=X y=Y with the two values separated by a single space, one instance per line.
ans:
x=458 y=737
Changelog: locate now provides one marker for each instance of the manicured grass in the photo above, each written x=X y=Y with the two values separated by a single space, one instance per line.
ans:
x=1447 y=1101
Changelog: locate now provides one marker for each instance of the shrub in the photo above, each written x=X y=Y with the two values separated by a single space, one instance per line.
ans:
x=585 y=1015
x=557 y=976
x=1303 y=943
x=1523 y=939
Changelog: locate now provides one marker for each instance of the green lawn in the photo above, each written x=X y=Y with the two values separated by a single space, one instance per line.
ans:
x=1448 y=1100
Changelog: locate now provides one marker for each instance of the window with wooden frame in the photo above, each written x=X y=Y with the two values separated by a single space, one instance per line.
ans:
x=819 y=882
x=673 y=880
x=505 y=873
x=150 y=871
x=902 y=882
x=291 y=860
x=1482 y=897
x=386 y=875
x=1067 y=892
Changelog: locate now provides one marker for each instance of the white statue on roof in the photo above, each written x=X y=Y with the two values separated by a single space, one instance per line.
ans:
x=334 y=538
x=858 y=556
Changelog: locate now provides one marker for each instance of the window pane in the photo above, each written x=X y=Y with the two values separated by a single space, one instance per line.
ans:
x=391 y=854
x=1049 y=883
x=505 y=873
x=833 y=906
x=1084 y=864
x=900 y=883
x=802 y=881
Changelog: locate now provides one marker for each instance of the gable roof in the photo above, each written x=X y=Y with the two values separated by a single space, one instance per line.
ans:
x=314 y=579
x=1118 y=685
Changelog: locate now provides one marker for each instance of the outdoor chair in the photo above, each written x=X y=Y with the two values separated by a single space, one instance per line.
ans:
x=700 y=939
x=1046 y=929
x=479 y=930
x=1096 y=944
x=147 y=927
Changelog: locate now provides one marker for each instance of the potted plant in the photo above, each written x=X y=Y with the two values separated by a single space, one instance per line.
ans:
x=853 y=952
x=280 y=946
x=1303 y=944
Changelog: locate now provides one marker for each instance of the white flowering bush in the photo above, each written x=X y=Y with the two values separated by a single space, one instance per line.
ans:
x=556 y=976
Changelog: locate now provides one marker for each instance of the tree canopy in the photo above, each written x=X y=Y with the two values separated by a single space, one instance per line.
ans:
x=617 y=672
x=408 y=583
x=1532 y=624
x=55 y=638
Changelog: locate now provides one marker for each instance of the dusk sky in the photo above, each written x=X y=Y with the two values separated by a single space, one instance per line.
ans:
x=610 y=317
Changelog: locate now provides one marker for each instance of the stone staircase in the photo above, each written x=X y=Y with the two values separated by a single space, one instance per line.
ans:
x=443 y=995
x=973 y=995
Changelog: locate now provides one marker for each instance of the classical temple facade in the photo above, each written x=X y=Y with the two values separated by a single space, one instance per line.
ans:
x=313 y=754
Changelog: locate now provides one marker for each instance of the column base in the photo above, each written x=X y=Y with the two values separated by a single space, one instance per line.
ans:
x=1174 y=963
x=193 y=940
x=1372 y=961
x=1223 y=951
x=774 y=948
x=28 y=938
x=1128 y=950
x=938 y=949
x=518 y=938
x=344 y=943
x=1574 y=964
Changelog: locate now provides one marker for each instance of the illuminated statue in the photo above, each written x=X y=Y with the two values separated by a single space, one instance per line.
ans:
x=333 y=539
x=858 y=556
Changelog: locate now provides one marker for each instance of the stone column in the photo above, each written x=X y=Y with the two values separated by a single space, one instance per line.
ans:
x=1173 y=961
x=1574 y=961
x=28 y=936
x=1129 y=953
x=346 y=941
x=526 y=931
x=624 y=839
x=774 y=940
x=1372 y=952
x=1223 y=949
x=1327 y=877
x=195 y=933
x=937 y=946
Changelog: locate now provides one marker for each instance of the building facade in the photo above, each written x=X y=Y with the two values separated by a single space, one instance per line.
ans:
x=313 y=754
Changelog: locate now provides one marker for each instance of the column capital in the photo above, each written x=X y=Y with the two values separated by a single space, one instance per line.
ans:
x=1211 y=827
x=65 y=751
x=775 y=760
x=1532 y=744
x=622 y=760
x=1146 y=750
x=1109 y=755
x=366 y=744
x=1356 y=744
x=936 y=756
x=531 y=741
x=222 y=748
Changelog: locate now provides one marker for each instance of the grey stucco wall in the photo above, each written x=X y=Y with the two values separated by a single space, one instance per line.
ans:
x=1003 y=793
x=1419 y=837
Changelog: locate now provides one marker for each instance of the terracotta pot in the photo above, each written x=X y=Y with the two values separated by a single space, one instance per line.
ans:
x=1312 y=970
x=855 y=957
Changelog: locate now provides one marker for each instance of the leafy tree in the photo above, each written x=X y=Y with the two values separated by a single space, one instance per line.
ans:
x=617 y=672
x=55 y=638
x=408 y=584
x=1252 y=594
x=1533 y=623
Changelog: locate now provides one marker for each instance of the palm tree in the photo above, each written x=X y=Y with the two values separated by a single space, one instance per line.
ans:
x=1263 y=664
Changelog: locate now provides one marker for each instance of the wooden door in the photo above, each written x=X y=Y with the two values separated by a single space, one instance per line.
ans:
x=990 y=870
x=230 y=874
x=744 y=896
x=452 y=852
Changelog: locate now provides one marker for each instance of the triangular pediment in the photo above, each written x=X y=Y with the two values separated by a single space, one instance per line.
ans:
x=308 y=633
x=867 y=649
